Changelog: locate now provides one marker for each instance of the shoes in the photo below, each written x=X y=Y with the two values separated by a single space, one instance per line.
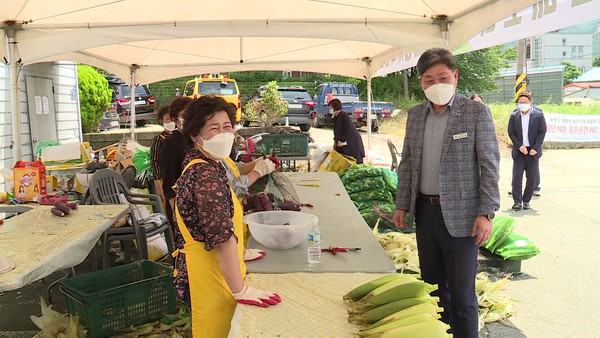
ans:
x=517 y=206
x=510 y=192
x=536 y=193
x=526 y=206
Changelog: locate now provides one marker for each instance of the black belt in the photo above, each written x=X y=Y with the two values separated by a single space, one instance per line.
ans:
x=430 y=199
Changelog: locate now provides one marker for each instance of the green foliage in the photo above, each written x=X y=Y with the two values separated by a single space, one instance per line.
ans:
x=477 y=70
x=269 y=108
x=94 y=97
x=571 y=71
x=596 y=62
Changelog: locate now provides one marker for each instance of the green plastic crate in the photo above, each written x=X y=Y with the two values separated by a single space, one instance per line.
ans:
x=285 y=145
x=110 y=300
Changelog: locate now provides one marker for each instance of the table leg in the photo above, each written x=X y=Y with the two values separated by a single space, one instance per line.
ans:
x=68 y=273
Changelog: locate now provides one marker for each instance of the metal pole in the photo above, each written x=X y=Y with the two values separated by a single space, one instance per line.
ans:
x=369 y=109
x=14 y=92
x=132 y=106
x=405 y=82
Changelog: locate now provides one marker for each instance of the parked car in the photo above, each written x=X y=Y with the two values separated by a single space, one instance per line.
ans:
x=300 y=106
x=110 y=120
x=121 y=102
x=348 y=94
x=209 y=85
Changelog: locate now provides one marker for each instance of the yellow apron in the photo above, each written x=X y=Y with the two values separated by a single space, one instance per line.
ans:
x=212 y=302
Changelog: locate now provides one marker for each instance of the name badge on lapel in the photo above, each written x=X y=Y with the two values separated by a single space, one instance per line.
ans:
x=459 y=136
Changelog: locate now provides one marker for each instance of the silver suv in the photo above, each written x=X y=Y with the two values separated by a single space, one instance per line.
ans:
x=301 y=110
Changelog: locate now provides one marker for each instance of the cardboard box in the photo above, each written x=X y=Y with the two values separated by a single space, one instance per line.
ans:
x=9 y=182
x=336 y=162
x=29 y=180
x=51 y=183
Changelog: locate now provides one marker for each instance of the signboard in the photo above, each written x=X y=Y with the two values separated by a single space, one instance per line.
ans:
x=572 y=128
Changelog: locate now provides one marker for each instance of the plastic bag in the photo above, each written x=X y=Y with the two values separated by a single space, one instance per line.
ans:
x=361 y=172
x=372 y=195
x=369 y=183
x=502 y=227
x=517 y=247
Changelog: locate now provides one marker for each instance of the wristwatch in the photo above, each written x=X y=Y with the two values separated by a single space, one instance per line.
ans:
x=490 y=216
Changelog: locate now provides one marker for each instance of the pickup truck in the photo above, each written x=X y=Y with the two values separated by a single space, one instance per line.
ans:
x=348 y=94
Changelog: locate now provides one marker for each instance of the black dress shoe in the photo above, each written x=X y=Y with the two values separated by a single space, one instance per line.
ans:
x=516 y=206
x=526 y=206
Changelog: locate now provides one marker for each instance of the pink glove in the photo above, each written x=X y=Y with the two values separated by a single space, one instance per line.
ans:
x=252 y=296
x=253 y=254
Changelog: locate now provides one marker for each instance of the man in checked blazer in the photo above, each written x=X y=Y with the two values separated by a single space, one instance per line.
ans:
x=526 y=129
x=448 y=182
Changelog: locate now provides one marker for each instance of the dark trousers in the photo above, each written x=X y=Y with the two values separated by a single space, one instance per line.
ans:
x=451 y=263
x=529 y=165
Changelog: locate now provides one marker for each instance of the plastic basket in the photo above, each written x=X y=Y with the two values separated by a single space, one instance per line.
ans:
x=110 y=300
x=285 y=145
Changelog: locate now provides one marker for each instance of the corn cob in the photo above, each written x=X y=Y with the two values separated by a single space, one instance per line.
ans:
x=360 y=291
x=411 y=311
x=410 y=320
x=401 y=291
x=401 y=279
x=380 y=312
x=426 y=329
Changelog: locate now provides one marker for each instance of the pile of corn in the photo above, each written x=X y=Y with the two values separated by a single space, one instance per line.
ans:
x=493 y=307
x=396 y=305
x=402 y=250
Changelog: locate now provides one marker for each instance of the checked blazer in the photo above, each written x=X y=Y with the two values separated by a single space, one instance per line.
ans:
x=469 y=166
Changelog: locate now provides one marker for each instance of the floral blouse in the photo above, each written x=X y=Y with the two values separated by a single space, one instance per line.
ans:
x=206 y=208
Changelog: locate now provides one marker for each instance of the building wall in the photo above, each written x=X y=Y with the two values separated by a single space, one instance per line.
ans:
x=68 y=124
x=552 y=48
x=545 y=84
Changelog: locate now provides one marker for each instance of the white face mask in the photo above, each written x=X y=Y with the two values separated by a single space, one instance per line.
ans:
x=181 y=122
x=524 y=106
x=169 y=126
x=219 y=146
x=440 y=93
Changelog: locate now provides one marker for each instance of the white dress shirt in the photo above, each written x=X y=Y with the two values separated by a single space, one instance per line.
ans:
x=525 y=128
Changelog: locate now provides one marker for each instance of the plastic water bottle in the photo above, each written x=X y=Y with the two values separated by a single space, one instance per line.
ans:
x=314 y=244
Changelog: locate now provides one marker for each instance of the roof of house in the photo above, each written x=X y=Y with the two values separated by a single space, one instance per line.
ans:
x=592 y=75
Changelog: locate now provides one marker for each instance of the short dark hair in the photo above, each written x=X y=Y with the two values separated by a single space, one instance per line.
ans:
x=526 y=94
x=161 y=112
x=336 y=104
x=178 y=105
x=201 y=110
x=476 y=95
x=435 y=56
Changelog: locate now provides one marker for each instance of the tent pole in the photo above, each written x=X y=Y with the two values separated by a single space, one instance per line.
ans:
x=369 y=111
x=132 y=105
x=14 y=92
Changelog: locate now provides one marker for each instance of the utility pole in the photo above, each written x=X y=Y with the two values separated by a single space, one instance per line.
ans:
x=521 y=77
x=405 y=82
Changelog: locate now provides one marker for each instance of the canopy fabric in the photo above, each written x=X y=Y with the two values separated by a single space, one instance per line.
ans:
x=162 y=40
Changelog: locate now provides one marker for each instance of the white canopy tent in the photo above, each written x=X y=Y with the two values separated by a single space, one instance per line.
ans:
x=156 y=40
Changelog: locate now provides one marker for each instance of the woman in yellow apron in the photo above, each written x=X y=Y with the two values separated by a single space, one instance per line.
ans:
x=209 y=261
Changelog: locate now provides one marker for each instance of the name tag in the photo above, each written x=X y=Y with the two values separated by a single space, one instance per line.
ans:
x=459 y=136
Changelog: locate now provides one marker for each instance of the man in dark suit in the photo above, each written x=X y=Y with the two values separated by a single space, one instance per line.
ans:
x=448 y=181
x=526 y=129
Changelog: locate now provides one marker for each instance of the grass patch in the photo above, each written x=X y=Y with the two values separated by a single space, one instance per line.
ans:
x=501 y=114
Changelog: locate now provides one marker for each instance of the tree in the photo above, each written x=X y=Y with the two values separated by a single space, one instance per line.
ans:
x=269 y=108
x=596 y=62
x=94 y=97
x=571 y=72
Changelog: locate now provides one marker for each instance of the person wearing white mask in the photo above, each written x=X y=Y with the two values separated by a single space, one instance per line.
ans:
x=448 y=184
x=172 y=153
x=163 y=118
x=209 y=264
x=527 y=130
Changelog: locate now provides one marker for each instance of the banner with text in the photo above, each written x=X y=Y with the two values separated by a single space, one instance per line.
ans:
x=572 y=128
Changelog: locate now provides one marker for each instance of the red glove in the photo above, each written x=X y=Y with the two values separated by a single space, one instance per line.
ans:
x=253 y=254
x=275 y=160
x=252 y=296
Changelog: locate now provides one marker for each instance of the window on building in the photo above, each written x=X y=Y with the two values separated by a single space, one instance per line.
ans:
x=580 y=50
x=564 y=41
x=564 y=53
x=573 y=52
